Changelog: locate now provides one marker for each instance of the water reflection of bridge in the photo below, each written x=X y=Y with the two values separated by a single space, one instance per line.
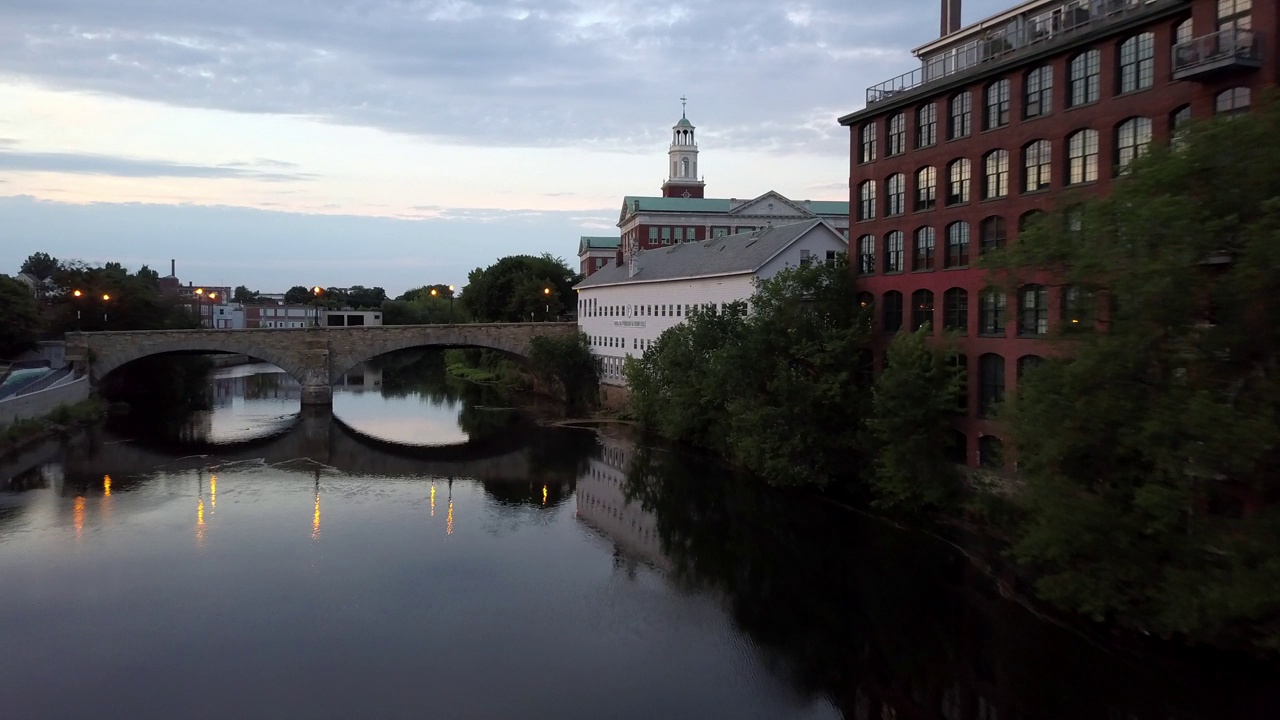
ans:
x=319 y=437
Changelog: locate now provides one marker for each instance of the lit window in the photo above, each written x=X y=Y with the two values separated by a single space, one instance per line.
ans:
x=1233 y=100
x=1082 y=157
x=896 y=142
x=926 y=125
x=1083 y=77
x=1137 y=62
x=868 y=149
x=1039 y=94
x=867 y=200
x=997 y=114
x=1038 y=165
x=961 y=112
x=1132 y=138
x=895 y=190
x=958 y=185
x=995 y=182
x=926 y=188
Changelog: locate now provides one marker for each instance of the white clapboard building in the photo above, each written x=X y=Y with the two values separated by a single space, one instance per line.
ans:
x=625 y=306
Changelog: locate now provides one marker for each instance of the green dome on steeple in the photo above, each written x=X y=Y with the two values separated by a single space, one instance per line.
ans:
x=684 y=122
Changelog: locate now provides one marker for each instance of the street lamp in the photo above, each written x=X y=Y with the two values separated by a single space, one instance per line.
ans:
x=199 y=306
x=213 y=297
x=546 y=312
x=317 y=291
x=105 y=299
x=76 y=294
x=450 y=304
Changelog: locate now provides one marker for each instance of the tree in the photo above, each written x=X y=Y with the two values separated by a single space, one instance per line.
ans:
x=40 y=265
x=1150 y=449
x=424 y=292
x=729 y=382
x=363 y=298
x=568 y=361
x=133 y=302
x=515 y=289
x=913 y=402
x=21 y=323
x=149 y=277
x=298 y=295
x=243 y=294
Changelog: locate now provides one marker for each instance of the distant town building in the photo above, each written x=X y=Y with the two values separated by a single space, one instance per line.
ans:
x=624 y=306
x=1000 y=121
x=596 y=252
x=271 y=315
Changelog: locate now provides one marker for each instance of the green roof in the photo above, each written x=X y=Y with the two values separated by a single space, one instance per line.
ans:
x=588 y=242
x=637 y=203
x=684 y=122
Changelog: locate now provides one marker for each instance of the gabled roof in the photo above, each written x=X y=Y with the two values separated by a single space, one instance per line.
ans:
x=730 y=255
x=588 y=242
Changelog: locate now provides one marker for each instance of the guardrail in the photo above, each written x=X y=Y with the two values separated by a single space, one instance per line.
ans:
x=1049 y=25
x=1217 y=49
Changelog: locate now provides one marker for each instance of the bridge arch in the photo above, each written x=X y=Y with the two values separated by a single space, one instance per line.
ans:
x=458 y=336
x=106 y=358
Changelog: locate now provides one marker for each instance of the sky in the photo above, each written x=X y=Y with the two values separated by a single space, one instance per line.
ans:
x=400 y=143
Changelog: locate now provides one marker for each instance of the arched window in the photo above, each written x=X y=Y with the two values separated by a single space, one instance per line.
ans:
x=926 y=188
x=991 y=234
x=867 y=200
x=961 y=113
x=995 y=177
x=867 y=151
x=1182 y=32
x=926 y=125
x=684 y=167
x=1232 y=100
x=1084 y=74
x=1132 y=138
x=892 y=304
x=1179 y=120
x=1235 y=14
x=1037 y=163
x=991 y=303
x=1034 y=310
x=1082 y=157
x=921 y=309
x=867 y=255
x=957 y=452
x=1039 y=92
x=1137 y=62
x=990 y=382
x=957 y=244
x=1078 y=307
x=958 y=185
x=990 y=453
x=924 y=247
x=895 y=192
x=896 y=142
x=893 y=252
x=955 y=310
x=1028 y=219
x=1028 y=362
x=997 y=109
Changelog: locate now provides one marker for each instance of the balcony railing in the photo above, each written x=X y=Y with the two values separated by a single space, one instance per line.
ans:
x=1037 y=30
x=1230 y=48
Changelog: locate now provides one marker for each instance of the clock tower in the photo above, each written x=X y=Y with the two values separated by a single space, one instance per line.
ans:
x=683 y=160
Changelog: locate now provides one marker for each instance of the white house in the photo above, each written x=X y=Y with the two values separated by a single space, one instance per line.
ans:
x=624 y=307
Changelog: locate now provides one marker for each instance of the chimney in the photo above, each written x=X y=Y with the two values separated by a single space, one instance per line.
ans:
x=950 y=17
x=173 y=268
x=617 y=259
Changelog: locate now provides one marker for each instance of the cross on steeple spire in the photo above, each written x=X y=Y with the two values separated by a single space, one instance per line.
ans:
x=683 y=100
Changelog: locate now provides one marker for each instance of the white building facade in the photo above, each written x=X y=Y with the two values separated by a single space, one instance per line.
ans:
x=624 y=308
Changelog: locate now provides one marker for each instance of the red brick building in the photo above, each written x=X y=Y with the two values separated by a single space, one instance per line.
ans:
x=1001 y=120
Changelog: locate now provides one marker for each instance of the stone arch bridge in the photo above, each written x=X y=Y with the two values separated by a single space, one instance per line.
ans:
x=316 y=357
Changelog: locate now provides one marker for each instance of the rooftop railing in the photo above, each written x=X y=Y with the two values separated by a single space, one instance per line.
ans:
x=1229 y=47
x=1013 y=37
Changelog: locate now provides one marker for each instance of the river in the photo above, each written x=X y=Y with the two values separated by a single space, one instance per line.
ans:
x=426 y=551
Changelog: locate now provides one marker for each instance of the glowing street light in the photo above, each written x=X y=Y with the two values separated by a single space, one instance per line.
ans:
x=105 y=299
x=199 y=305
x=317 y=291
x=546 y=312
x=76 y=294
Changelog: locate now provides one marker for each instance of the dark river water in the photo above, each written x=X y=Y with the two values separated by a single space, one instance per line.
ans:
x=424 y=551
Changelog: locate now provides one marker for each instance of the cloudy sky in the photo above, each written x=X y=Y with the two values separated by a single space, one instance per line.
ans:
x=404 y=142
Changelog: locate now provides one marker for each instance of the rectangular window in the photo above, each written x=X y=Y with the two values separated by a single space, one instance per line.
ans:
x=1039 y=95
x=653 y=234
x=892 y=252
x=679 y=234
x=717 y=232
x=927 y=125
x=666 y=236
x=958 y=189
x=690 y=234
x=867 y=150
x=1137 y=62
x=991 y=306
x=997 y=114
x=1083 y=76
x=897 y=139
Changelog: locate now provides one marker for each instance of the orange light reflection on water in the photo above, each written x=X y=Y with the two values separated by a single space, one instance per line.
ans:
x=77 y=516
x=448 y=523
x=200 y=522
x=315 y=519
x=433 y=499
x=106 y=486
x=213 y=493
x=544 y=494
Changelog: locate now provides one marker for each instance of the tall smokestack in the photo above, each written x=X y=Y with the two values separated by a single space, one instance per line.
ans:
x=950 y=16
x=173 y=268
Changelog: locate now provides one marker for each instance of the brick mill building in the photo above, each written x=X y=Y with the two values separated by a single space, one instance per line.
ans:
x=1001 y=120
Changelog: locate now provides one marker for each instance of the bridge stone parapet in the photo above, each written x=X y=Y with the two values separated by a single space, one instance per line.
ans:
x=315 y=357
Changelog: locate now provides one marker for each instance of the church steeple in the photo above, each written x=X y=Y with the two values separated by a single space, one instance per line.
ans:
x=683 y=159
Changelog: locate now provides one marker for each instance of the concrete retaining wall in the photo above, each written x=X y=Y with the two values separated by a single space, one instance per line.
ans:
x=39 y=404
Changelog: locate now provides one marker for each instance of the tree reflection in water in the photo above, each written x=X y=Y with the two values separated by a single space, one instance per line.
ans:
x=891 y=623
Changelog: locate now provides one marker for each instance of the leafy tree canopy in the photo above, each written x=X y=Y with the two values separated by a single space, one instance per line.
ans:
x=21 y=317
x=520 y=288
x=40 y=265
x=1151 y=455
x=299 y=295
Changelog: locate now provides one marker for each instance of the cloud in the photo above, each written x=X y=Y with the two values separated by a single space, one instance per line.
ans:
x=92 y=164
x=508 y=73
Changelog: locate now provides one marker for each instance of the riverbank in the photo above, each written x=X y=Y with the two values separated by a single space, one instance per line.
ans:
x=64 y=419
